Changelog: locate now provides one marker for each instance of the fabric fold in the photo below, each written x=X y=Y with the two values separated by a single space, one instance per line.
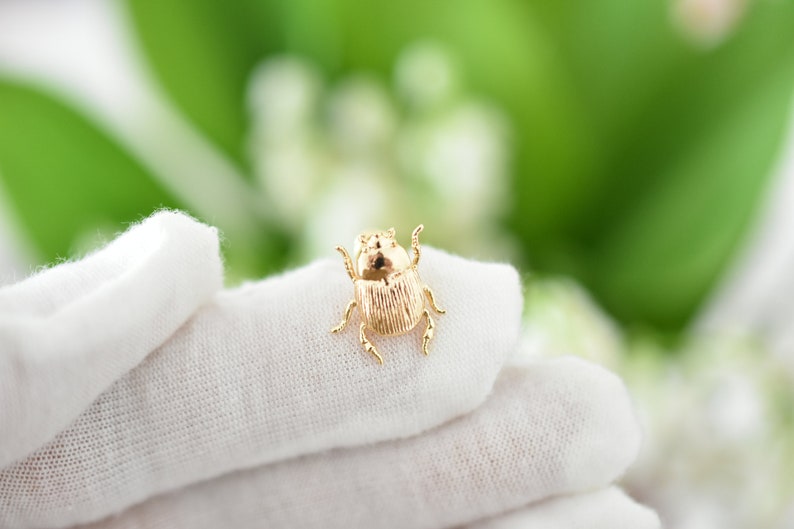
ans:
x=69 y=332
x=561 y=426
x=256 y=377
x=609 y=508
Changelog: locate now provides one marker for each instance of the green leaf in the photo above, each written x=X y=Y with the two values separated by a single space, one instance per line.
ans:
x=640 y=160
x=684 y=179
x=64 y=176
x=506 y=55
x=202 y=53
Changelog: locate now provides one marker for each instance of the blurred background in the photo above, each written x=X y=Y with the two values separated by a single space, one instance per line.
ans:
x=635 y=160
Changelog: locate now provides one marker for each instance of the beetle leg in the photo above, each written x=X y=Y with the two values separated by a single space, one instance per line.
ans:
x=368 y=347
x=348 y=262
x=415 y=244
x=346 y=317
x=429 y=331
x=432 y=298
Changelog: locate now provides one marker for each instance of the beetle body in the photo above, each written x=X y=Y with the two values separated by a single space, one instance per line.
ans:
x=394 y=305
x=389 y=294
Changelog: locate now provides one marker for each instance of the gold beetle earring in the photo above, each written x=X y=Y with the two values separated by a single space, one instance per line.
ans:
x=390 y=296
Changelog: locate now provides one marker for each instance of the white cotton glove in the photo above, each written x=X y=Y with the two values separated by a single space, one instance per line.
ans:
x=70 y=332
x=207 y=430
x=608 y=508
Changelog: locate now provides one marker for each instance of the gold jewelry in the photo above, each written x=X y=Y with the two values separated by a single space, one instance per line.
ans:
x=389 y=294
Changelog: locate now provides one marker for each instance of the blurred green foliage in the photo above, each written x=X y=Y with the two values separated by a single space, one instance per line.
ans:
x=65 y=176
x=640 y=157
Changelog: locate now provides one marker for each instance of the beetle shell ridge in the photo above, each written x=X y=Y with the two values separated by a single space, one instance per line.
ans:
x=393 y=305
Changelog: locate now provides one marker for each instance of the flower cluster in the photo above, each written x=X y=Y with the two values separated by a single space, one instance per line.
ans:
x=359 y=154
x=719 y=443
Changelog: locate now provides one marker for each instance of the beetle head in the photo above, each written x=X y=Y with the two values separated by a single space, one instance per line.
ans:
x=378 y=255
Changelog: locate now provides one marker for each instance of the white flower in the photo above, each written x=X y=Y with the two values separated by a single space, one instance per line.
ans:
x=349 y=158
x=362 y=118
x=708 y=22
x=424 y=75
x=562 y=319
x=283 y=97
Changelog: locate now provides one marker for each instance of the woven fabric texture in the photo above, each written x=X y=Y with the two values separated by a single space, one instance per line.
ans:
x=608 y=508
x=547 y=429
x=136 y=392
x=68 y=333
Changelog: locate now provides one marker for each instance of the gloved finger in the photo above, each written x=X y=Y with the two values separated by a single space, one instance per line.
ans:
x=70 y=331
x=256 y=377
x=609 y=508
x=560 y=426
